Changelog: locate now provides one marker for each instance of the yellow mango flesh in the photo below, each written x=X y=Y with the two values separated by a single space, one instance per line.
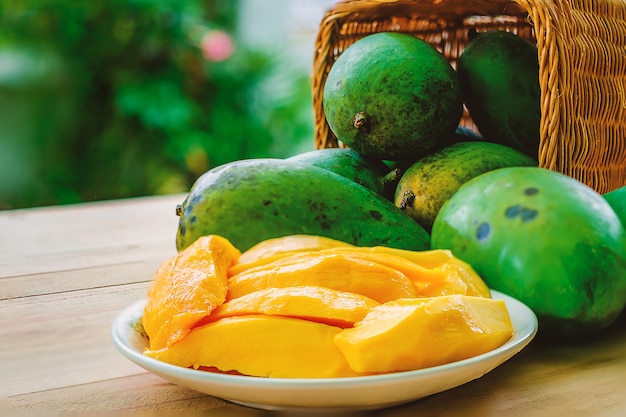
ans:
x=186 y=288
x=319 y=304
x=434 y=272
x=306 y=306
x=270 y=250
x=427 y=258
x=264 y=346
x=334 y=271
x=288 y=244
x=260 y=263
x=410 y=334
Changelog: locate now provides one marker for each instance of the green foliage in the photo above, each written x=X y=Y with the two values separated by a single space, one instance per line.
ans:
x=109 y=99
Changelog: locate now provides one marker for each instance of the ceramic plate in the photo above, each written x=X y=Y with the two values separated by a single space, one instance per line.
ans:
x=364 y=392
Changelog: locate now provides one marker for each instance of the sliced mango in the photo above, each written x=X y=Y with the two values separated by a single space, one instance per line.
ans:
x=289 y=244
x=264 y=346
x=310 y=306
x=434 y=272
x=241 y=267
x=461 y=280
x=335 y=271
x=427 y=258
x=186 y=288
x=271 y=250
x=336 y=308
x=411 y=334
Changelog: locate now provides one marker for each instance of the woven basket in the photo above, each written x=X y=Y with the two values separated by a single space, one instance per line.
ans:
x=582 y=68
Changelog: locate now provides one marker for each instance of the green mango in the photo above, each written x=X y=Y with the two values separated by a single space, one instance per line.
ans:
x=461 y=134
x=252 y=200
x=544 y=238
x=617 y=201
x=430 y=182
x=392 y=96
x=499 y=74
x=348 y=163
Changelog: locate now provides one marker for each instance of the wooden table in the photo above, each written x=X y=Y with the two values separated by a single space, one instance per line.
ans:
x=65 y=272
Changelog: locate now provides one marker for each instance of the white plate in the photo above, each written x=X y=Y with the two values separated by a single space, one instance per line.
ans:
x=353 y=393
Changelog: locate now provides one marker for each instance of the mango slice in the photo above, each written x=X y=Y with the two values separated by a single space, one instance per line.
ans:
x=335 y=271
x=270 y=250
x=264 y=346
x=418 y=333
x=427 y=258
x=186 y=288
x=434 y=272
x=336 y=308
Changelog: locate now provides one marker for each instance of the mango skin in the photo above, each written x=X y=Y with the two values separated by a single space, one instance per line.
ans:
x=249 y=201
x=543 y=238
x=348 y=163
x=617 y=201
x=499 y=73
x=432 y=180
x=392 y=96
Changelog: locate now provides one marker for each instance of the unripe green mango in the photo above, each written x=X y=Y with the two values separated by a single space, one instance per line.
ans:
x=392 y=96
x=499 y=73
x=348 y=163
x=617 y=201
x=431 y=181
x=249 y=201
x=544 y=238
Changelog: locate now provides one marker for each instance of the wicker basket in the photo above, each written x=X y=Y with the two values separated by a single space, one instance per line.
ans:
x=582 y=68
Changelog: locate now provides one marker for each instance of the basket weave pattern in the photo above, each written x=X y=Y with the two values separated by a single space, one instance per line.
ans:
x=582 y=68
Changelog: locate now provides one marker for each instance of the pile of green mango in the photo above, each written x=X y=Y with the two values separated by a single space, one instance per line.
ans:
x=409 y=176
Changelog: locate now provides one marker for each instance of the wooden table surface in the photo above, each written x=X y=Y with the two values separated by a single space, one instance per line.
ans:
x=66 y=271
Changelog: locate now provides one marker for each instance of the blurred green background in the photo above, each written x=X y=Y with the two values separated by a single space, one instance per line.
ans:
x=105 y=99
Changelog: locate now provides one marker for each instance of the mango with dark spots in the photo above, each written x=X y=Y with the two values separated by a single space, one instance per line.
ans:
x=249 y=201
x=392 y=96
x=429 y=182
x=544 y=238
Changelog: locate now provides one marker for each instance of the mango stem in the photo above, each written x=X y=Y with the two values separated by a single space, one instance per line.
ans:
x=362 y=121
